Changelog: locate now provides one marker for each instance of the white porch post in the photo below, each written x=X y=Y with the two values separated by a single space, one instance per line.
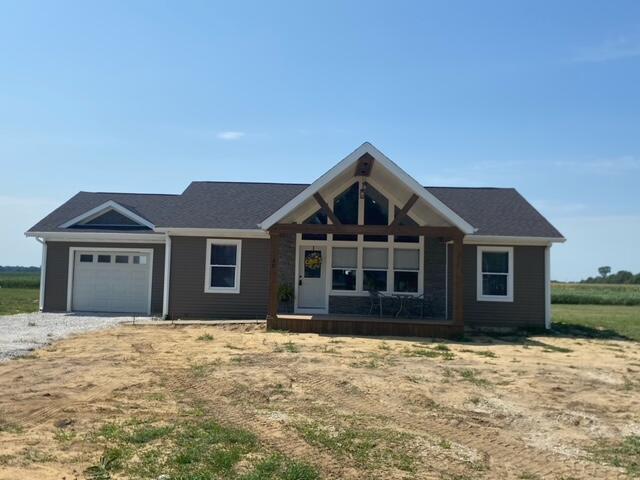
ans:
x=167 y=276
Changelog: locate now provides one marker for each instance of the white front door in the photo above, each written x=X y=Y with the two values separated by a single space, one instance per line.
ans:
x=111 y=281
x=311 y=278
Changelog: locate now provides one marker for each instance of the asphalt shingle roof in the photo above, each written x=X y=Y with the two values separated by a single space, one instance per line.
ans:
x=242 y=205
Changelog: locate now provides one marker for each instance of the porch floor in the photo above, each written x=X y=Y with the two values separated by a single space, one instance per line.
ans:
x=365 y=325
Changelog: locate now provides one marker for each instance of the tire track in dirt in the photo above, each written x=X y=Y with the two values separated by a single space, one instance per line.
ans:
x=507 y=455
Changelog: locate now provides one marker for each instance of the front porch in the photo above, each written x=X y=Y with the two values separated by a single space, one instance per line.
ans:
x=333 y=324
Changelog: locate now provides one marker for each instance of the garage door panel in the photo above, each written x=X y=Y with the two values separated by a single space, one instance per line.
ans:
x=108 y=286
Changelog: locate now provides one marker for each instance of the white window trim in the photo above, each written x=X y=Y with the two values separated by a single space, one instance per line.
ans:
x=207 y=265
x=494 y=298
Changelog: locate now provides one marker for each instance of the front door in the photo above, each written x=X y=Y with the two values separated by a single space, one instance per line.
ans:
x=311 y=278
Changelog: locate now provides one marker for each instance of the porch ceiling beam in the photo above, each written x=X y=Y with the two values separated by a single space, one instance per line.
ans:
x=406 y=230
x=405 y=209
x=326 y=209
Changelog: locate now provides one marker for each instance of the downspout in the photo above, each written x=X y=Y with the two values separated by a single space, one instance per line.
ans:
x=446 y=279
x=167 y=276
x=43 y=272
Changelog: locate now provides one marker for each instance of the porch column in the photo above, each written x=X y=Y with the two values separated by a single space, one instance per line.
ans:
x=458 y=281
x=272 y=311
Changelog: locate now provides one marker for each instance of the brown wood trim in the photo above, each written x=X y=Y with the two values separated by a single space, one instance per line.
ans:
x=458 y=282
x=326 y=209
x=364 y=165
x=404 y=210
x=274 y=251
x=445 y=232
x=373 y=327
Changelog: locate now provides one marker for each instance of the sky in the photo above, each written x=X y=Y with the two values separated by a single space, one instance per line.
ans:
x=141 y=96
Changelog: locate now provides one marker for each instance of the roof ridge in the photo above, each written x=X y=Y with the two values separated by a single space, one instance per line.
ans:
x=250 y=183
x=471 y=188
x=133 y=193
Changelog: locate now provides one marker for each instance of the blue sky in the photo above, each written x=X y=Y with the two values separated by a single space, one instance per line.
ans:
x=147 y=96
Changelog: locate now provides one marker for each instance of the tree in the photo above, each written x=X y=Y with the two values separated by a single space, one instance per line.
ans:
x=604 y=271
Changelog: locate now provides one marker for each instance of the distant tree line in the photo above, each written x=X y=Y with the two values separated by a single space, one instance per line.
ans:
x=621 y=277
x=18 y=269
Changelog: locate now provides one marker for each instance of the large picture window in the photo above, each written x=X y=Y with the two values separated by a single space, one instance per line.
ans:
x=346 y=207
x=495 y=274
x=376 y=212
x=223 y=266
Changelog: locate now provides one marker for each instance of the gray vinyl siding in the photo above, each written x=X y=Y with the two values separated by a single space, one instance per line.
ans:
x=528 y=306
x=57 y=274
x=188 y=298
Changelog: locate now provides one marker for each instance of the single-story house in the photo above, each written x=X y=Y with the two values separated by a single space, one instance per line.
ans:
x=363 y=249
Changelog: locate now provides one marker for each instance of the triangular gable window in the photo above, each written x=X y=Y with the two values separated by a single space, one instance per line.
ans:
x=318 y=218
x=109 y=220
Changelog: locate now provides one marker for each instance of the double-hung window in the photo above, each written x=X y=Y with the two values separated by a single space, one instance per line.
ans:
x=344 y=264
x=406 y=268
x=222 y=273
x=495 y=274
x=375 y=262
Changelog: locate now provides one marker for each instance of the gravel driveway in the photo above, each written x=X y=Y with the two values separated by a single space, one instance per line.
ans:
x=19 y=334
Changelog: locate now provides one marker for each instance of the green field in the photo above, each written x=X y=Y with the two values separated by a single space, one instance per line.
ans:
x=18 y=300
x=20 y=280
x=594 y=294
x=598 y=321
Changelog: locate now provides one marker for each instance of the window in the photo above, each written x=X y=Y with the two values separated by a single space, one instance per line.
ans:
x=495 y=274
x=375 y=262
x=344 y=264
x=84 y=258
x=122 y=258
x=345 y=206
x=376 y=212
x=406 y=221
x=406 y=269
x=223 y=266
x=312 y=264
x=318 y=218
x=104 y=258
x=140 y=259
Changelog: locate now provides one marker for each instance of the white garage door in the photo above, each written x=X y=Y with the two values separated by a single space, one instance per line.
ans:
x=111 y=281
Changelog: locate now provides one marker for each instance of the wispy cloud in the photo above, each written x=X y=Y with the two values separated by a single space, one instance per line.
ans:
x=615 y=49
x=605 y=166
x=230 y=135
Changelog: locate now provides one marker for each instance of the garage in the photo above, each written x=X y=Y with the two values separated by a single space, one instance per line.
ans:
x=111 y=280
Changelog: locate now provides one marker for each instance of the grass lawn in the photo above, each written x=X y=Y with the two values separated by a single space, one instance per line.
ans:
x=18 y=300
x=595 y=294
x=602 y=320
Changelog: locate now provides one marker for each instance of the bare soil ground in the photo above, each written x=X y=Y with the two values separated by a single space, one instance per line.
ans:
x=354 y=408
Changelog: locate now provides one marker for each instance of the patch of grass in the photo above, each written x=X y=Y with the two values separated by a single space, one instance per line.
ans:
x=438 y=351
x=64 y=436
x=471 y=376
x=624 y=453
x=370 y=448
x=205 y=338
x=191 y=448
x=18 y=300
x=597 y=321
x=277 y=467
x=9 y=426
x=286 y=347
x=482 y=353
x=528 y=476
x=595 y=294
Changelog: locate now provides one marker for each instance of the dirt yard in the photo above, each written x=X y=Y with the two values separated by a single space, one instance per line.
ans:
x=118 y=403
